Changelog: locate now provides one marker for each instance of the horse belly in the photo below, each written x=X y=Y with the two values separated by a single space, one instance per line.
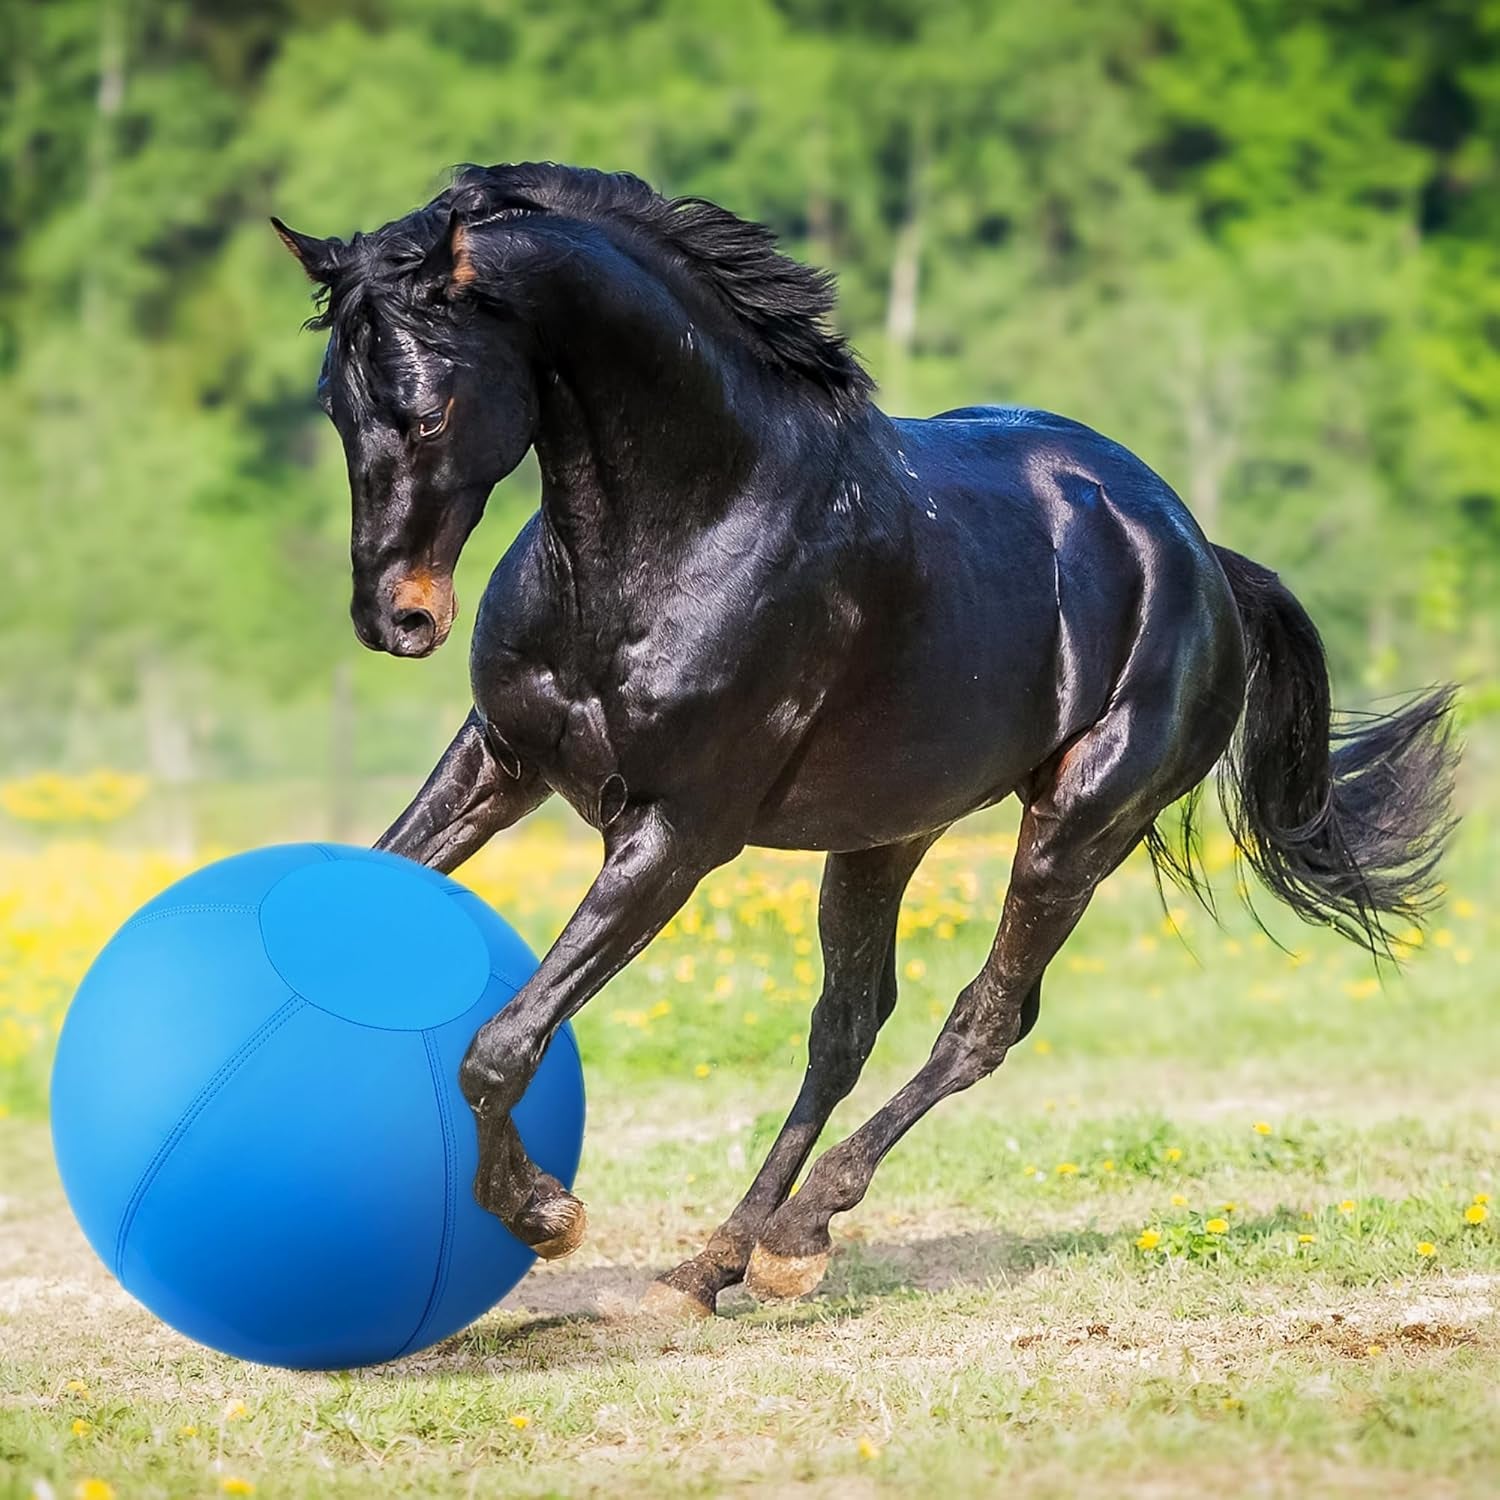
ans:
x=914 y=750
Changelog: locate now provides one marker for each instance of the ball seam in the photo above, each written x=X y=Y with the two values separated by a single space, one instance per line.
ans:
x=196 y=908
x=445 y=1249
x=226 y=1071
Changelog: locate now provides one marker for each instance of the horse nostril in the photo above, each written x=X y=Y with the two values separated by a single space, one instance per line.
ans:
x=415 y=630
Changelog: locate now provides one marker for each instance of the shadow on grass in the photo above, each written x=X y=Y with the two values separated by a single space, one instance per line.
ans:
x=589 y=1316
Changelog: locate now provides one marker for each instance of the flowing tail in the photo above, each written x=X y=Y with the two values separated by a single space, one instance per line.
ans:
x=1344 y=817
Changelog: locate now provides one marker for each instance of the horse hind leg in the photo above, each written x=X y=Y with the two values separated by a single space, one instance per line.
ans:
x=857 y=910
x=1097 y=805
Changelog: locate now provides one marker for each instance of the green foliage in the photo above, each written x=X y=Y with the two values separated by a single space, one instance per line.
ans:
x=1254 y=240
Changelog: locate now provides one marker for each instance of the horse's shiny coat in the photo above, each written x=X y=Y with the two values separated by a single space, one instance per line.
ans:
x=752 y=609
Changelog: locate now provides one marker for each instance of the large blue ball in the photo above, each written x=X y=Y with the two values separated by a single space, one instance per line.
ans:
x=256 y=1112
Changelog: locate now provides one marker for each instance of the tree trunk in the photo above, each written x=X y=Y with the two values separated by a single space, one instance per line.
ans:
x=342 y=740
x=906 y=274
x=169 y=754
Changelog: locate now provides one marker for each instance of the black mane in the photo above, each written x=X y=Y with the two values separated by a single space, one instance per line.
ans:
x=780 y=306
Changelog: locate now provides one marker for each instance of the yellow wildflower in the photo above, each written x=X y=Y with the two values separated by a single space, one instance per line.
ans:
x=1147 y=1239
x=520 y=1420
x=867 y=1450
x=1261 y=1127
x=1173 y=1153
x=1067 y=1169
x=93 y=1489
x=187 y=1430
x=1028 y=1170
x=1229 y=1207
x=1107 y=1165
x=1179 y=1200
x=1426 y=1248
x=1348 y=1206
x=1481 y=1199
x=1307 y=1239
x=82 y=1427
x=1217 y=1226
x=236 y=1411
x=1375 y=1349
x=232 y=1484
x=702 y=1070
x=1476 y=1213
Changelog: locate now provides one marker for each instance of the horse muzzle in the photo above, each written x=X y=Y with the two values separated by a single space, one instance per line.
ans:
x=411 y=617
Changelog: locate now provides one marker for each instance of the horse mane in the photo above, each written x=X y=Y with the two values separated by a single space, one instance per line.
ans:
x=780 y=306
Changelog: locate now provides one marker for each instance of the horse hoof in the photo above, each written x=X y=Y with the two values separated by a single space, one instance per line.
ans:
x=783 y=1278
x=671 y=1304
x=564 y=1221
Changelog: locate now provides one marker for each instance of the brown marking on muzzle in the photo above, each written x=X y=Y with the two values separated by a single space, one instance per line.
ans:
x=423 y=589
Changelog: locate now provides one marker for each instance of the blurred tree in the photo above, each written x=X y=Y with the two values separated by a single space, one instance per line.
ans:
x=1255 y=240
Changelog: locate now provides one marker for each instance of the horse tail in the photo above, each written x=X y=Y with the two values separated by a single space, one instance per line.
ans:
x=1343 y=817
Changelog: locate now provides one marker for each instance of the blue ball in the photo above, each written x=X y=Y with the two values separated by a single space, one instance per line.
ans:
x=256 y=1112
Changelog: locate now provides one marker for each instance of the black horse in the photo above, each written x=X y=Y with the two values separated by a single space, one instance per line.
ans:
x=752 y=609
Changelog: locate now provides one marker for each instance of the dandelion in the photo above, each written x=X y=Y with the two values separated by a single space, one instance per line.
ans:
x=1107 y=1165
x=1067 y=1169
x=82 y=1427
x=915 y=969
x=1173 y=1153
x=867 y=1450
x=1375 y=1349
x=1041 y=1047
x=93 y=1489
x=1147 y=1239
x=1476 y=1213
x=1261 y=1127
x=1029 y=1170
x=751 y=1018
x=187 y=1430
x=236 y=1411
x=1307 y=1239
x=702 y=1070
x=1179 y=1200
x=660 y=1009
x=1217 y=1226
x=1426 y=1248
x=520 y=1420
x=1481 y=1199
x=1348 y=1206
x=232 y=1484
x=1229 y=1207
x=77 y=1388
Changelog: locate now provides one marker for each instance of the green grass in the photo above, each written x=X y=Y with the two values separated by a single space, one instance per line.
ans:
x=988 y=1321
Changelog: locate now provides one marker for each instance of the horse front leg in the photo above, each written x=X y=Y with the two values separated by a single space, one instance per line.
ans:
x=471 y=795
x=650 y=869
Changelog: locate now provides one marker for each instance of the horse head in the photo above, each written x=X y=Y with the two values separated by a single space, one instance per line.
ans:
x=431 y=391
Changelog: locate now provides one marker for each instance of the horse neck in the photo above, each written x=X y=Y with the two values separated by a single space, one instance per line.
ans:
x=653 y=419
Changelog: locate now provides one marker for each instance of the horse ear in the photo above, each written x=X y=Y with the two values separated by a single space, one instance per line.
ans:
x=449 y=265
x=319 y=258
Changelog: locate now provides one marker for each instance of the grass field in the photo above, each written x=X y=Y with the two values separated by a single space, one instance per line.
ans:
x=1220 y=1226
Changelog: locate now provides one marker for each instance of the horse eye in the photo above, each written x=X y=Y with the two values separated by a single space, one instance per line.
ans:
x=430 y=423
